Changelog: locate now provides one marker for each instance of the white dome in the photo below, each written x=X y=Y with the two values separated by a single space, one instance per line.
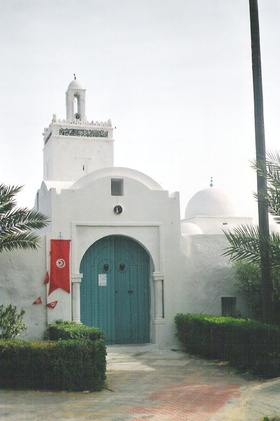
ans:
x=187 y=228
x=211 y=202
x=74 y=84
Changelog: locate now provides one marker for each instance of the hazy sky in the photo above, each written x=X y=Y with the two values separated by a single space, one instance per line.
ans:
x=174 y=76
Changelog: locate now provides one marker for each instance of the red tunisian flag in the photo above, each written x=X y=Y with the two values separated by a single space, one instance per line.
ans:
x=52 y=304
x=47 y=279
x=38 y=301
x=59 y=277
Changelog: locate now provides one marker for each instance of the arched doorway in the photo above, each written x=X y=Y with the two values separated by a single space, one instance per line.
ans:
x=115 y=290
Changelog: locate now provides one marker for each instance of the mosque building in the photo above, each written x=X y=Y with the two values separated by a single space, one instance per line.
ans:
x=116 y=254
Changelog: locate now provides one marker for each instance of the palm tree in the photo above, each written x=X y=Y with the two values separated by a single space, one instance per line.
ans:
x=267 y=284
x=245 y=240
x=245 y=246
x=17 y=224
x=271 y=171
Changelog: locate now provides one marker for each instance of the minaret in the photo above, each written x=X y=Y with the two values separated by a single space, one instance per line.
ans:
x=75 y=102
x=75 y=147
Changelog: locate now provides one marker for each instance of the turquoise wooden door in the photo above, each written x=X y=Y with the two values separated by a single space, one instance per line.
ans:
x=115 y=291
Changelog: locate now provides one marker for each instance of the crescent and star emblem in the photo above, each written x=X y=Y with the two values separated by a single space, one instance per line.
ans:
x=60 y=263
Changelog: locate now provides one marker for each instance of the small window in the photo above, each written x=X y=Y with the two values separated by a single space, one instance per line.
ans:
x=229 y=306
x=116 y=187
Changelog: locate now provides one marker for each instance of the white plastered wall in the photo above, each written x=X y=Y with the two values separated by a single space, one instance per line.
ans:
x=150 y=216
x=209 y=275
x=190 y=275
x=22 y=277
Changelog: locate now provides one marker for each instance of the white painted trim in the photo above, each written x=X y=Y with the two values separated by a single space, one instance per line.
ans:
x=158 y=225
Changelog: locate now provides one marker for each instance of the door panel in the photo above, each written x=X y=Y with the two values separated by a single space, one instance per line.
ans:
x=115 y=292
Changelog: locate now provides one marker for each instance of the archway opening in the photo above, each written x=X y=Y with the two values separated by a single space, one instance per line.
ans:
x=115 y=290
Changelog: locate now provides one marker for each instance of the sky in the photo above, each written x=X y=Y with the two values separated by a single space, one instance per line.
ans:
x=174 y=76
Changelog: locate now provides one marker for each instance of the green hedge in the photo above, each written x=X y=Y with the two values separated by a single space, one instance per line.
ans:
x=73 y=365
x=247 y=344
x=70 y=330
x=271 y=419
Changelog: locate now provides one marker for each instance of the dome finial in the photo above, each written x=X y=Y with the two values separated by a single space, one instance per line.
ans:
x=211 y=182
x=74 y=76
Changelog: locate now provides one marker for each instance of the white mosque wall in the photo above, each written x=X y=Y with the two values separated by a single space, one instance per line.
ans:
x=188 y=272
x=150 y=216
x=209 y=275
x=195 y=276
x=21 y=283
x=68 y=158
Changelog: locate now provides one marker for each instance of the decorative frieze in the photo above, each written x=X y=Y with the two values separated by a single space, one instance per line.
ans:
x=83 y=132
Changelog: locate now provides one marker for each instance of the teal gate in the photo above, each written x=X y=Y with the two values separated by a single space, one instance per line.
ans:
x=115 y=290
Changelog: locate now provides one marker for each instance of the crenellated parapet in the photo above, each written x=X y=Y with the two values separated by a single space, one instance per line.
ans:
x=92 y=129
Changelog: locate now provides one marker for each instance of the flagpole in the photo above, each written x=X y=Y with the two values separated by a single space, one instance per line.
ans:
x=267 y=285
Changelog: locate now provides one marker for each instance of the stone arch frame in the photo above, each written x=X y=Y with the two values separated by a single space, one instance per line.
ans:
x=136 y=329
x=99 y=230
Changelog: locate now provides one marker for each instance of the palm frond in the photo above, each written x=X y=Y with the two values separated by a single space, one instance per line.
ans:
x=271 y=171
x=8 y=193
x=273 y=201
x=244 y=244
x=273 y=162
x=6 y=207
x=20 y=220
x=19 y=241
x=17 y=224
x=275 y=250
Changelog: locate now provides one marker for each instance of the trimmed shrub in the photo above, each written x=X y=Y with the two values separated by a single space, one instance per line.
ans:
x=11 y=324
x=246 y=344
x=271 y=419
x=73 y=365
x=70 y=330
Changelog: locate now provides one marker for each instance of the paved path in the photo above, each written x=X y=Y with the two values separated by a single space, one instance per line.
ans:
x=145 y=383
